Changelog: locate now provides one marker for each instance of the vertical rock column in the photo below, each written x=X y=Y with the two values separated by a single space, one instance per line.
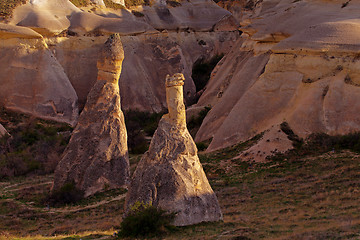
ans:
x=175 y=100
x=170 y=175
x=97 y=155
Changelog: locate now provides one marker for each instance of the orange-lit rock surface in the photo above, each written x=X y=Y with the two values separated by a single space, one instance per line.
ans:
x=170 y=175
x=96 y=157
x=298 y=62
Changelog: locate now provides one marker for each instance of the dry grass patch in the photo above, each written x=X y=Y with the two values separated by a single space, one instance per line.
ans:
x=7 y=7
x=307 y=197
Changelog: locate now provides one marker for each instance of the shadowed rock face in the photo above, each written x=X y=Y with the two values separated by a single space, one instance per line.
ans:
x=97 y=154
x=170 y=175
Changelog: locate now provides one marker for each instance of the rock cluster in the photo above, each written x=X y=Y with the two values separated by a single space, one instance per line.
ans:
x=170 y=175
x=97 y=155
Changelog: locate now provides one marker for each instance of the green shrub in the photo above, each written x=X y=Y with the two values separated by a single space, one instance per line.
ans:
x=318 y=143
x=35 y=146
x=137 y=13
x=201 y=146
x=65 y=195
x=196 y=121
x=140 y=127
x=145 y=220
x=202 y=69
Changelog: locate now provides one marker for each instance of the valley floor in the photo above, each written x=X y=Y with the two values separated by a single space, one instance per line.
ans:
x=316 y=197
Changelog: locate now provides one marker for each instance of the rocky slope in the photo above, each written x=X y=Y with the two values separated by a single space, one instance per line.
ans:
x=298 y=62
x=62 y=42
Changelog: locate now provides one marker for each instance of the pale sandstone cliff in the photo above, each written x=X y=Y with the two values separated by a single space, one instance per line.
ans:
x=96 y=157
x=170 y=175
x=298 y=63
x=150 y=42
x=31 y=79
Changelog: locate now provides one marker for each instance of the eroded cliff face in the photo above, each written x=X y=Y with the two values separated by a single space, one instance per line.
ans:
x=31 y=78
x=162 y=39
x=148 y=58
x=298 y=63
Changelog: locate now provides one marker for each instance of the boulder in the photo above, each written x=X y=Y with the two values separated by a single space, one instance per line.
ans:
x=170 y=175
x=97 y=155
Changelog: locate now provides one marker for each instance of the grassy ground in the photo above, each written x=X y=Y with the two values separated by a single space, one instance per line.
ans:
x=312 y=197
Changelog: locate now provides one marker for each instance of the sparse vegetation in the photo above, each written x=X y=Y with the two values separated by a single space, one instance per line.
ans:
x=34 y=147
x=65 y=195
x=80 y=3
x=297 y=141
x=196 y=121
x=137 y=14
x=111 y=4
x=132 y=3
x=140 y=128
x=202 y=70
x=173 y=3
x=7 y=7
x=310 y=196
x=145 y=220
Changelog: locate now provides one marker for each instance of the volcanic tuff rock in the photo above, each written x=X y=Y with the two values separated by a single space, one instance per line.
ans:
x=31 y=79
x=170 y=175
x=297 y=62
x=97 y=155
x=272 y=142
x=75 y=36
x=2 y=131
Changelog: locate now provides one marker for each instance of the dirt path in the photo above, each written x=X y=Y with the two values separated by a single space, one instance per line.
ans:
x=81 y=208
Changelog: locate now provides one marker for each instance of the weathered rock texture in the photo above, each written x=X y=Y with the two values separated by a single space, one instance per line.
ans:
x=140 y=86
x=31 y=79
x=170 y=175
x=298 y=62
x=97 y=155
x=272 y=142
x=165 y=38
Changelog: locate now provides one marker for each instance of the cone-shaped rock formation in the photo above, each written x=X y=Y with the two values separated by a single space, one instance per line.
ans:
x=170 y=175
x=97 y=154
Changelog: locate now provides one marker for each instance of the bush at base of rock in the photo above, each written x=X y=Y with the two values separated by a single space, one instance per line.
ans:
x=145 y=220
x=67 y=194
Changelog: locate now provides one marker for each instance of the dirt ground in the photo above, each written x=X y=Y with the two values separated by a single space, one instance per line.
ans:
x=316 y=197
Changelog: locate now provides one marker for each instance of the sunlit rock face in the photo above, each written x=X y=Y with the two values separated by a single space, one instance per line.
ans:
x=32 y=80
x=141 y=86
x=197 y=29
x=297 y=63
x=170 y=175
x=97 y=155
